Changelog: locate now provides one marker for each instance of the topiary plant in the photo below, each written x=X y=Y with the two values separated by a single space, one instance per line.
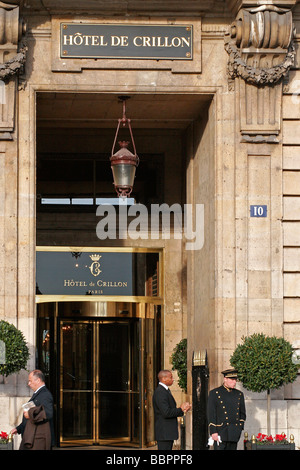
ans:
x=264 y=363
x=16 y=350
x=179 y=363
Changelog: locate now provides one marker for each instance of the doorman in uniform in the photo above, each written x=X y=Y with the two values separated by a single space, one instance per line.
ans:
x=226 y=413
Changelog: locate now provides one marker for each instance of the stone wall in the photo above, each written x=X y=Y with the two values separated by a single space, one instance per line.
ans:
x=244 y=150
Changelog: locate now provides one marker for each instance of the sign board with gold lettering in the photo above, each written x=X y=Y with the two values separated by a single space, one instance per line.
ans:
x=81 y=40
x=95 y=273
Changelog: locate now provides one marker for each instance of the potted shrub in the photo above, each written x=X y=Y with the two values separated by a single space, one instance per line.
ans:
x=16 y=352
x=179 y=363
x=264 y=364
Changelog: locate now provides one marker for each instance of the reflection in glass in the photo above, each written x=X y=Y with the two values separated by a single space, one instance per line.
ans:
x=77 y=395
x=77 y=354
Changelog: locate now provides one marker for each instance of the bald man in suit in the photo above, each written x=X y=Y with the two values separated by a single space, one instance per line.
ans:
x=166 y=412
x=40 y=397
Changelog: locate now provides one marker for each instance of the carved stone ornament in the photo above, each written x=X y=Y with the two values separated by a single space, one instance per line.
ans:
x=14 y=66
x=12 y=54
x=260 y=45
x=12 y=61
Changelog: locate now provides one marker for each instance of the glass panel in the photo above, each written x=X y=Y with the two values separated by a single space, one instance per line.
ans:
x=77 y=348
x=152 y=365
x=77 y=396
x=119 y=401
x=114 y=415
x=100 y=396
x=136 y=398
x=135 y=356
x=114 y=377
x=123 y=174
x=77 y=415
x=136 y=417
x=44 y=346
x=114 y=357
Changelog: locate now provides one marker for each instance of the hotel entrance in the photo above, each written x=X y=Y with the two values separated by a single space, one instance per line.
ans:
x=111 y=285
x=99 y=341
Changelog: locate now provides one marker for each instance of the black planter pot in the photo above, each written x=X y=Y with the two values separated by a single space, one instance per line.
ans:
x=8 y=446
x=255 y=446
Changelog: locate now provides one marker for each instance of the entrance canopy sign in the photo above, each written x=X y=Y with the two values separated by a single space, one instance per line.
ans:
x=95 y=273
x=81 y=40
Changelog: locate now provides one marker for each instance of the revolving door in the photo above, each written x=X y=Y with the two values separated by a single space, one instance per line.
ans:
x=105 y=375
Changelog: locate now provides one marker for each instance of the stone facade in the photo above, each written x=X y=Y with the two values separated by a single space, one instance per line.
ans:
x=240 y=150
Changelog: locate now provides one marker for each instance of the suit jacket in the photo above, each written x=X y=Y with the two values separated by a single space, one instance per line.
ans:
x=226 y=413
x=42 y=397
x=37 y=433
x=165 y=415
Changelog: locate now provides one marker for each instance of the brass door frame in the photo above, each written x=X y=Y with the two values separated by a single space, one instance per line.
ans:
x=140 y=311
x=95 y=389
x=96 y=383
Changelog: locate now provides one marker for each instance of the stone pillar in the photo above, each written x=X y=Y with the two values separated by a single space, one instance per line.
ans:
x=261 y=51
x=12 y=60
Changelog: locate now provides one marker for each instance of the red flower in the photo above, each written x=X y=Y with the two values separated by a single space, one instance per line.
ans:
x=3 y=436
x=261 y=437
x=280 y=437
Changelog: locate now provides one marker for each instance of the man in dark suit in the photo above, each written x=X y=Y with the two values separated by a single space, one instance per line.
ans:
x=41 y=396
x=166 y=412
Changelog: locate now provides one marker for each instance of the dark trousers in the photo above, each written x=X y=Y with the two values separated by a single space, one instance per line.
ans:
x=227 y=445
x=164 y=445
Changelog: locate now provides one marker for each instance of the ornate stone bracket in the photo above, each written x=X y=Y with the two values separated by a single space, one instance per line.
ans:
x=12 y=61
x=261 y=51
x=266 y=30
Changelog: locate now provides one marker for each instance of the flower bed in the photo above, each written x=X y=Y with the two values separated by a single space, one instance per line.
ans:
x=265 y=442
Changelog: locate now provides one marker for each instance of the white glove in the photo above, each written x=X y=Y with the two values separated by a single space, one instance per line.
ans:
x=211 y=441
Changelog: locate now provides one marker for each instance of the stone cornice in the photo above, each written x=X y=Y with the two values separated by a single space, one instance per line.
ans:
x=121 y=7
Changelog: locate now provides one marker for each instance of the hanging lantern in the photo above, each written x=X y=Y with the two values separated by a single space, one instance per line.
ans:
x=123 y=162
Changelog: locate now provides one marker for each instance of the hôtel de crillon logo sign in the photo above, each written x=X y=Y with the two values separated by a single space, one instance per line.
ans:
x=126 y=41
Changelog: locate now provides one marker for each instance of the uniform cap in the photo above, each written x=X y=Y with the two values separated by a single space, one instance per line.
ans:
x=230 y=373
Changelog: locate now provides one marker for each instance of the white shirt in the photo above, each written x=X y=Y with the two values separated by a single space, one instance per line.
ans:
x=164 y=385
x=39 y=388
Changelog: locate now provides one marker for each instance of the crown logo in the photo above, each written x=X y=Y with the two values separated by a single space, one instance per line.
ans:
x=95 y=257
x=95 y=266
